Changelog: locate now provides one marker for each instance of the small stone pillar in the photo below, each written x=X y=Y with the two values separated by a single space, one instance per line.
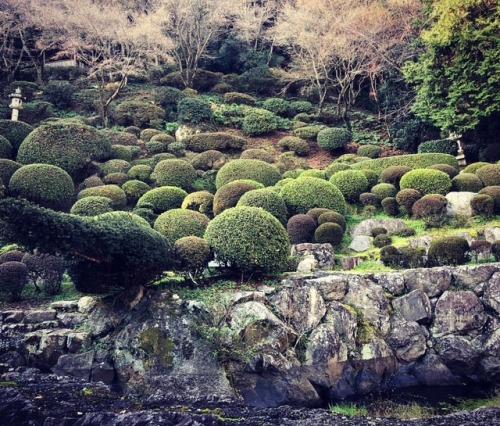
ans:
x=16 y=104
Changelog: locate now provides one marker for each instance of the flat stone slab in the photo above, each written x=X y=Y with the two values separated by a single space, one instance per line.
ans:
x=366 y=226
x=360 y=243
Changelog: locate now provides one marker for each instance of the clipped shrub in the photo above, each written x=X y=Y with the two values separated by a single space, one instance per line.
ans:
x=228 y=195
x=36 y=111
x=288 y=161
x=300 y=228
x=249 y=239
x=12 y=256
x=92 y=181
x=135 y=189
x=431 y=209
x=413 y=257
x=382 y=240
x=70 y=146
x=178 y=149
x=290 y=175
x=383 y=190
x=259 y=121
x=115 y=166
x=320 y=174
x=426 y=181
x=466 y=182
x=200 y=201
x=192 y=254
x=160 y=157
x=351 y=183
x=168 y=97
x=316 y=212
x=177 y=223
x=309 y=132
x=257 y=154
x=203 y=80
x=7 y=169
x=483 y=204
x=92 y=206
x=163 y=138
x=444 y=146
x=450 y=250
x=13 y=277
x=391 y=257
x=134 y=130
x=122 y=152
x=45 y=270
x=60 y=93
x=379 y=230
x=214 y=141
x=194 y=110
x=489 y=175
x=137 y=113
x=331 y=217
x=479 y=248
x=368 y=199
x=474 y=167
x=239 y=98
x=147 y=134
x=153 y=148
x=303 y=194
x=163 y=198
x=298 y=107
x=390 y=206
x=117 y=178
x=406 y=198
x=295 y=144
x=493 y=192
x=393 y=174
x=5 y=148
x=446 y=168
x=113 y=192
x=414 y=161
x=178 y=173
x=47 y=185
x=371 y=176
x=333 y=138
x=329 y=232
x=15 y=132
x=370 y=151
x=140 y=172
x=278 y=106
x=267 y=199
x=208 y=160
x=256 y=170
x=336 y=167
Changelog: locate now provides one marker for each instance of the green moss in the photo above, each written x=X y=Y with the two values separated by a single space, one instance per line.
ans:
x=154 y=343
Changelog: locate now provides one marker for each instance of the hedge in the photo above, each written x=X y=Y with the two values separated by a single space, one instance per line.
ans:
x=444 y=146
x=216 y=141
x=414 y=161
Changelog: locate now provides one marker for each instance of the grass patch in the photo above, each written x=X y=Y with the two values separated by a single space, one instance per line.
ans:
x=396 y=410
x=371 y=266
x=348 y=409
x=472 y=404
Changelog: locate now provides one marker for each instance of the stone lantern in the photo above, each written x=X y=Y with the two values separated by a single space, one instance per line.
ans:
x=16 y=103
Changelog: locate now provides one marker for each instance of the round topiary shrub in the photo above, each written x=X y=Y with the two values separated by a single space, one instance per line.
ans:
x=300 y=228
x=228 y=195
x=474 y=167
x=483 y=205
x=175 y=173
x=113 y=192
x=163 y=138
x=192 y=254
x=383 y=190
x=7 y=169
x=288 y=161
x=70 y=146
x=137 y=113
x=134 y=130
x=15 y=132
x=406 y=198
x=332 y=217
x=278 y=106
x=122 y=152
x=239 y=98
x=446 y=168
x=12 y=256
x=308 y=132
x=295 y=144
x=426 y=181
x=178 y=223
x=259 y=121
x=47 y=185
x=199 y=201
x=330 y=233
x=489 y=175
x=382 y=240
x=160 y=157
x=13 y=277
x=444 y=146
x=153 y=148
x=115 y=166
x=217 y=141
x=466 y=182
x=351 y=183
x=299 y=107
x=135 y=189
x=267 y=199
x=257 y=154
x=316 y=212
x=393 y=174
x=368 y=199
x=378 y=230
x=390 y=206
x=45 y=269
x=303 y=194
x=121 y=138
x=391 y=257
x=431 y=208
x=336 y=167
x=256 y=170
x=92 y=206
x=371 y=176
x=493 y=192
x=92 y=181
x=5 y=148
x=140 y=172
x=370 y=151
x=147 y=134
x=320 y=174
x=333 y=138
x=162 y=199
x=449 y=250
x=209 y=160
x=194 y=110
x=115 y=179
x=178 y=149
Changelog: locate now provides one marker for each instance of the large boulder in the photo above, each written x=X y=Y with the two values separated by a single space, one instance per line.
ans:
x=393 y=282
x=490 y=363
x=459 y=203
x=408 y=341
x=432 y=281
x=360 y=243
x=331 y=287
x=492 y=293
x=433 y=372
x=459 y=354
x=322 y=253
x=366 y=227
x=414 y=306
x=492 y=233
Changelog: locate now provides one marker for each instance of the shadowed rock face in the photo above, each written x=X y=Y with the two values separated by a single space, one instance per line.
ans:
x=313 y=338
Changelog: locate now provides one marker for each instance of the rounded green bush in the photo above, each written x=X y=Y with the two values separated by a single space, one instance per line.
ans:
x=194 y=110
x=332 y=217
x=163 y=198
x=239 y=98
x=367 y=199
x=117 y=178
x=122 y=152
x=450 y=250
x=406 y=198
x=288 y=161
x=5 y=148
x=300 y=228
x=449 y=170
x=493 y=192
x=320 y=174
x=257 y=170
x=393 y=174
x=92 y=206
x=316 y=212
x=209 y=160
x=92 y=181
x=175 y=173
x=303 y=194
x=257 y=154
x=177 y=223
x=309 y=132
x=444 y=146
x=13 y=277
x=299 y=107
x=155 y=147
x=160 y=157
x=267 y=199
x=12 y=256
x=140 y=172
x=336 y=167
x=115 y=166
x=382 y=240
x=137 y=113
x=489 y=175
x=163 y=138
x=329 y=232
x=426 y=181
x=147 y=134
x=135 y=189
x=414 y=161
x=431 y=208
x=113 y=192
x=214 y=141
x=370 y=151
x=351 y=183
x=482 y=204
x=199 y=201
x=193 y=254
x=70 y=146
x=474 y=167
x=391 y=257
x=121 y=138
x=297 y=145
x=383 y=190
x=7 y=169
x=249 y=239
x=15 y=132
x=466 y=182
x=178 y=149
x=229 y=194
x=259 y=121
x=390 y=206
x=277 y=106
x=371 y=176
x=333 y=138
x=47 y=185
